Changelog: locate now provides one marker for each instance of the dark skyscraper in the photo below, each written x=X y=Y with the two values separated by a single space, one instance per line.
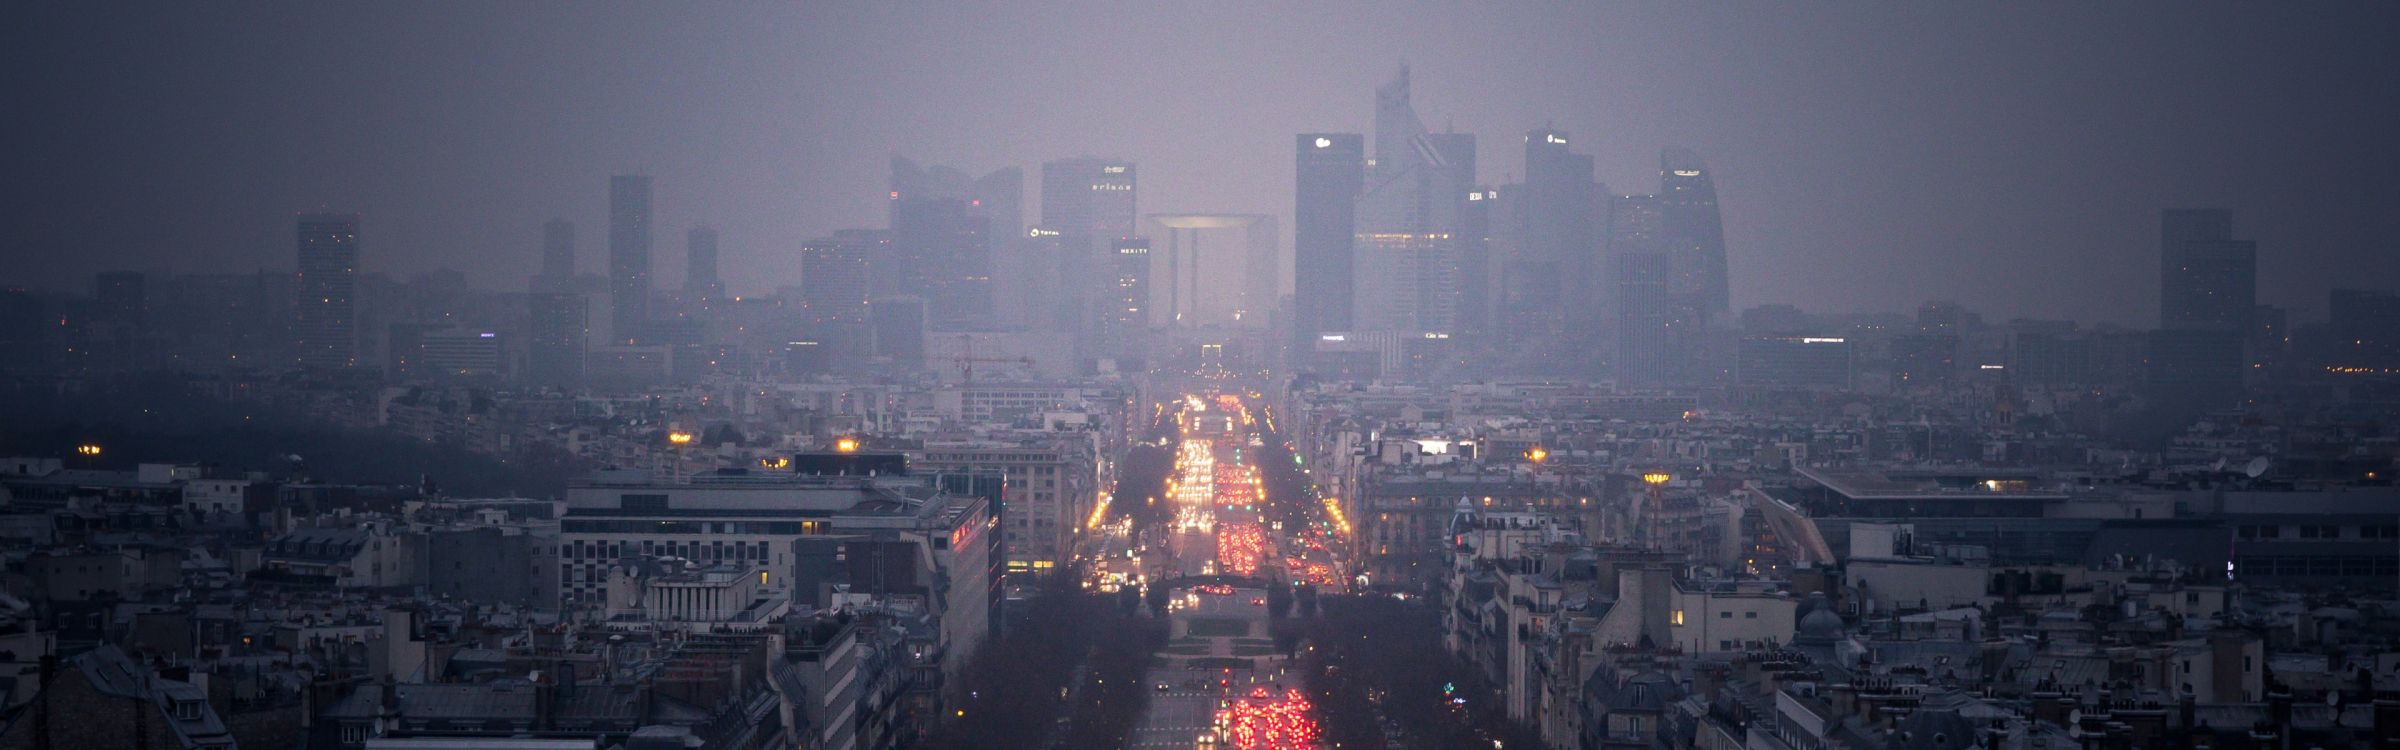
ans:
x=700 y=281
x=628 y=257
x=325 y=305
x=991 y=276
x=1643 y=309
x=1693 y=231
x=1090 y=202
x=559 y=326
x=941 y=252
x=1331 y=171
x=558 y=249
x=1554 y=279
x=836 y=287
x=2208 y=286
x=2207 y=279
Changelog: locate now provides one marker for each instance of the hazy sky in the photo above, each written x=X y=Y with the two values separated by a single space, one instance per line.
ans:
x=2011 y=156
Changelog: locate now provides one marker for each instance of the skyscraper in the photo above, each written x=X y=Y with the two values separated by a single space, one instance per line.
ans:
x=559 y=326
x=2208 y=285
x=628 y=257
x=1693 y=230
x=325 y=306
x=2207 y=279
x=1331 y=171
x=1128 y=310
x=953 y=235
x=940 y=252
x=1641 y=273
x=835 y=289
x=1404 y=260
x=558 y=249
x=1090 y=202
x=700 y=281
x=1554 y=279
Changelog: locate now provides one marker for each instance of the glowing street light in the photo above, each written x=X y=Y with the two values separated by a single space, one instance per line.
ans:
x=1538 y=454
x=88 y=449
x=1656 y=477
x=846 y=445
x=680 y=437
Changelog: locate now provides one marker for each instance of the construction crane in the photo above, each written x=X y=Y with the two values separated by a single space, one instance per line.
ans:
x=966 y=359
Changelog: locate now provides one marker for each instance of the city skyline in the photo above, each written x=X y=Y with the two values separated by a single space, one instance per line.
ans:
x=1823 y=173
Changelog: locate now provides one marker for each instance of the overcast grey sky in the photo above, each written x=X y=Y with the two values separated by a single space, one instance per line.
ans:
x=2011 y=156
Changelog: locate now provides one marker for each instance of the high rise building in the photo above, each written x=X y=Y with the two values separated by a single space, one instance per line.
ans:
x=700 y=280
x=325 y=305
x=559 y=327
x=2207 y=279
x=1331 y=172
x=2208 y=284
x=940 y=252
x=558 y=249
x=1090 y=202
x=1405 y=264
x=116 y=333
x=1553 y=280
x=1128 y=309
x=957 y=242
x=1693 y=230
x=1478 y=268
x=628 y=257
x=835 y=288
x=1644 y=307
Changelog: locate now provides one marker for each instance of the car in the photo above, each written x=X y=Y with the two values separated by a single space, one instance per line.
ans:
x=1258 y=601
x=1164 y=687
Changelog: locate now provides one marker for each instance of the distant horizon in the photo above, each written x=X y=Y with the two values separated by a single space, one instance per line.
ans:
x=2015 y=162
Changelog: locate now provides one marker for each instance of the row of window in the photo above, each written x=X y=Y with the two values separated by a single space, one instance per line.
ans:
x=630 y=526
x=2317 y=565
x=2319 y=531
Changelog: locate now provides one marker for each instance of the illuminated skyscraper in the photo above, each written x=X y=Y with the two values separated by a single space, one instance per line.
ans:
x=1405 y=264
x=325 y=308
x=1090 y=202
x=1128 y=309
x=628 y=257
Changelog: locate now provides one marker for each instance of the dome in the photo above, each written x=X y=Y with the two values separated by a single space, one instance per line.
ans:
x=1821 y=624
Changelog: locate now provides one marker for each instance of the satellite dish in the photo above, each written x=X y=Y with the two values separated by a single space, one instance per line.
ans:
x=2258 y=466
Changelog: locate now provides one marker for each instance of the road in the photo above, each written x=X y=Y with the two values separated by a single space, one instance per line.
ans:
x=1227 y=662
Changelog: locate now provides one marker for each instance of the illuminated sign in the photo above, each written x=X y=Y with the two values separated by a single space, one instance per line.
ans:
x=1133 y=250
x=1475 y=196
x=1819 y=340
x=1324 y=143
x=1434 y=335
x=1113 y=170
x=1333 y=337
x=1687 y=173
x=1555 y=138
x=1040 y=232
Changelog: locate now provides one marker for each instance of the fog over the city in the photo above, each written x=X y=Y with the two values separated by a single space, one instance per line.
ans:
x=1869 y=157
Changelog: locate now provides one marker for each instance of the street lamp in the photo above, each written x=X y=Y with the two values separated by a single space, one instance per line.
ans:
x=1538 y=454
x=846 y=445
x=88 y=449
x=680 y=437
